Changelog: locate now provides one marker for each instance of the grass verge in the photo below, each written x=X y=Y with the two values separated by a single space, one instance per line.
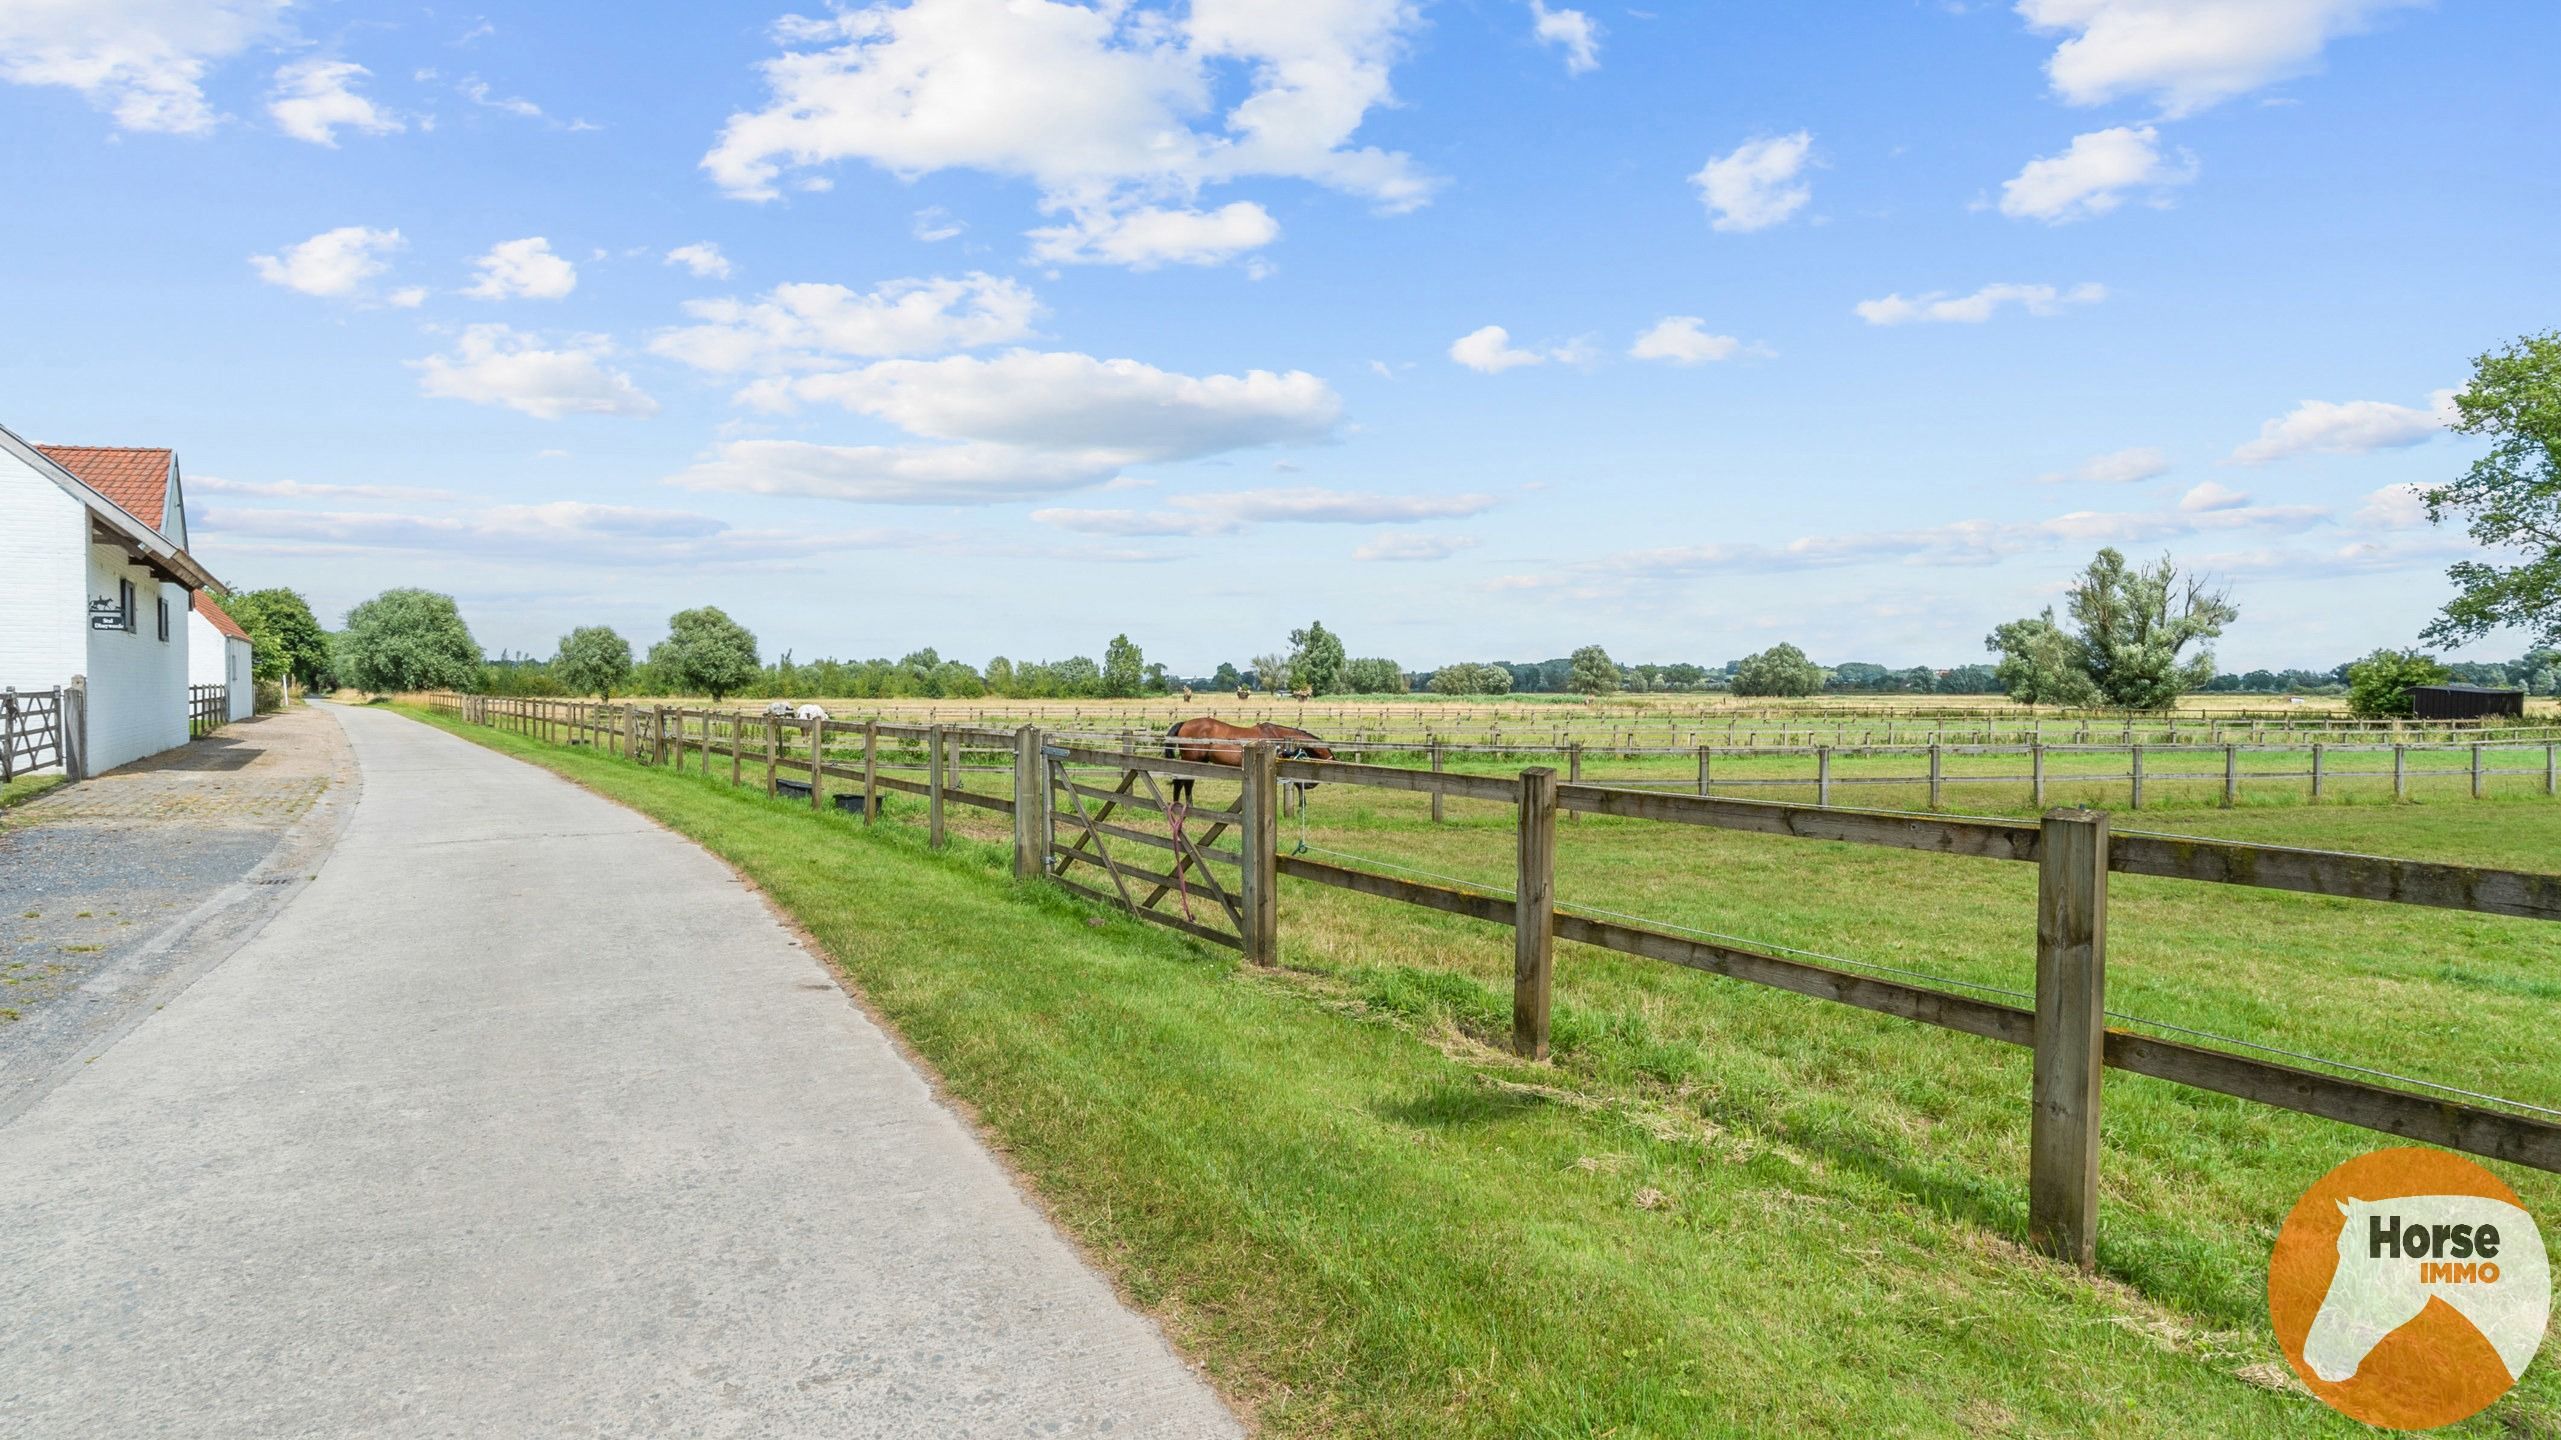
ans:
x=1365 y=1222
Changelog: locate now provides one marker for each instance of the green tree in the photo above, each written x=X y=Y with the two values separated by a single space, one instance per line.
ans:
x=2135 y=621
x=1779 y=670
x=1124 y=668
x=404 y=640
x=2040 y=665
x=1469 y=678
x=705 y=650
x=1000 y=677
x=285 y=638
x=1594 y=673
x=1227 y=676
x=2510 y=500
x=594 y=660
x=1316 y=660
x=1271 y=674
x=2379 y=685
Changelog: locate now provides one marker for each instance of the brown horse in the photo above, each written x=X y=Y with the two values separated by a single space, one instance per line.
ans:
x=1208 y=740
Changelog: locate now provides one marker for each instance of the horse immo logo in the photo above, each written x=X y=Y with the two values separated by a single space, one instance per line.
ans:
x=2409 y=1288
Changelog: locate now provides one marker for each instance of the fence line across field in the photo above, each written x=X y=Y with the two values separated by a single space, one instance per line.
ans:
x=1061 y=822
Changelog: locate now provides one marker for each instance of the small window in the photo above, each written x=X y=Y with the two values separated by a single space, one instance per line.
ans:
x=124 y=603
x=164 y=619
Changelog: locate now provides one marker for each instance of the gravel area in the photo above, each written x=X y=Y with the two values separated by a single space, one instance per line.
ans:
x=117 y=891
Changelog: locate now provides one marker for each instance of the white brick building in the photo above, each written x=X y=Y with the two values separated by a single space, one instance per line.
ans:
x=96 y=585
x=218 y=653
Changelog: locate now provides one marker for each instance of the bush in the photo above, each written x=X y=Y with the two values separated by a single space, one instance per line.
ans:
x=2379 y=685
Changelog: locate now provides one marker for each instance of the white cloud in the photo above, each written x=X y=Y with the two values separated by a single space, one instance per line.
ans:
x=1757 y=186
x=2358 y=427
x=477 y=91
x=313 y=98
x=1019 y=424
x=524 y=268
x=574 y=532
x=2211 y=496
x=1102 y=107
x=2395 y=507
x=896 y=474
x=1938 y=306
x=1225 y=514
x=934 y=225
x=311 y=490
x=407 y=297
x=334 y=263
x=799 y=327
x=497 y=365
x=2093 y=176
x=2117 y=467
x=1149 y=236
x=1959 y=543
x=1068 y=401
x=703 y=258
x=1684 y=340
x=1571 y=31
x=1414 y=547
x=1490 y=351
x=143 y=61
x=2188 y=55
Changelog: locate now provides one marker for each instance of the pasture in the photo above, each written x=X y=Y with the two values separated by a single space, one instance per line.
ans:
x=1773 y=1175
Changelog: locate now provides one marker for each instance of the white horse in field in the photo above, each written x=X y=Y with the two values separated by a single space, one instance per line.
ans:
x=2373 y=1294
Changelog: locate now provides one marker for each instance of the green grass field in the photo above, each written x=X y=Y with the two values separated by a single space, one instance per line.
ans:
x=1721 y=1209
x=26 y=787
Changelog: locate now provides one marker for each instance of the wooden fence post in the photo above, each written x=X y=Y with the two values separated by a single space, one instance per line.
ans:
x=1703 y=752
x=934 y=786
x=1823 y=775
x=1436 y=769
x=737 y=744
x=2231 y=776
x=2136 y=751
x=2400 y=771
x=1574 y=773
x=871 y=770
x=1031 y=837
x=817 y=764
x=2316 y=770
x=773 y=751
x=2476 y=770
x=1534 y=915
x=2070 y=1034
x=2552 y=769
x=1934 y=775
x=2036 y=773
x=1261 y=825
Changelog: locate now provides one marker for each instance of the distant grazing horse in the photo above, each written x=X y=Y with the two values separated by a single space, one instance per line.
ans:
x=1209 y=740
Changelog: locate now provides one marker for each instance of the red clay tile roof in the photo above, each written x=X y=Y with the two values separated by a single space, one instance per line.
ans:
x=213 y=613
x=136 y=479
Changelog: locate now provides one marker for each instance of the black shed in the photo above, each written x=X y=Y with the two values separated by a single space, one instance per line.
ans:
x=2466 y=702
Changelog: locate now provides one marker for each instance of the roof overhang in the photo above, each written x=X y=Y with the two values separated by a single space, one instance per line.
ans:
x=112 y=524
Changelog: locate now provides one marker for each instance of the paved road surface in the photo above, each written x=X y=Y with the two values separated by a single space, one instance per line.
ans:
x=525 y=1118
x=113 y=893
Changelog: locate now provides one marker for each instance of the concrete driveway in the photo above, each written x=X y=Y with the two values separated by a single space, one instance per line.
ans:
x=525 y=1118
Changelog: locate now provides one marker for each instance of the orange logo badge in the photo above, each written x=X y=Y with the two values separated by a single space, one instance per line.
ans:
x=2409 y=1288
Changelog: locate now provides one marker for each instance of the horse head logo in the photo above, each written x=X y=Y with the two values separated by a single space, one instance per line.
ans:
x=2481 y=1256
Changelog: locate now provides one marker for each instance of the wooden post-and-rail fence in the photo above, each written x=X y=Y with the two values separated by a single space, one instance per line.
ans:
x=42 y=730
x=1064 y=817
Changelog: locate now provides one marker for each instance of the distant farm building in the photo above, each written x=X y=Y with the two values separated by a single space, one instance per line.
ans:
x=2466 y=702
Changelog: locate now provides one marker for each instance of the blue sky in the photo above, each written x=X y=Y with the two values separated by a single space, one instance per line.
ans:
x=1478 y=328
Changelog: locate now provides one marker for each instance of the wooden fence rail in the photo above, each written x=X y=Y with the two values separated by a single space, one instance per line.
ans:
x=39 y=730
x=208 y=709
x=1063 y=820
